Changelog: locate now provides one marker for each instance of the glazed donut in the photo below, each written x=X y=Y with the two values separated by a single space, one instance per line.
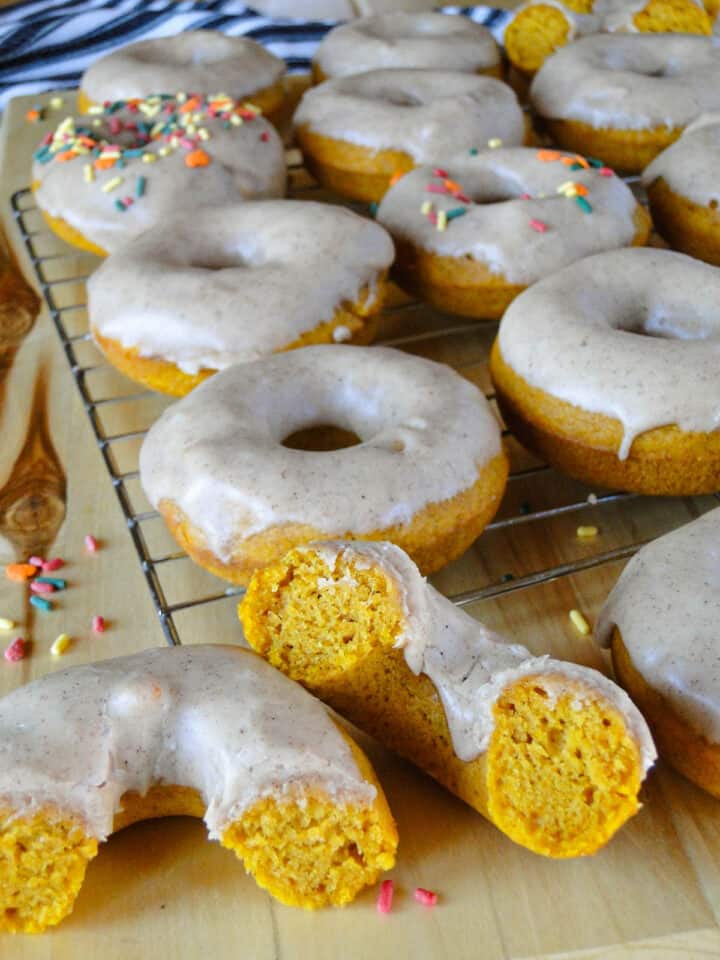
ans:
x=203 y=61
x=540 y=27
x=236 y=284
x=205 y=731
x=625 y=98
x=683 y=189
x=100 y=183
x=357 y=132
x=428 y=472
x=429 y=41
x=552 y=753
x=610 y=370
x=661 y=619
x=471 y=236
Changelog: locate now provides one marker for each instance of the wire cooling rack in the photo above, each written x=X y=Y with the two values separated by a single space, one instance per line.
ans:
x=61 y=273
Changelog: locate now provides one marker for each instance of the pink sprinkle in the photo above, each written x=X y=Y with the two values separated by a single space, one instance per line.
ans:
x=539 y=226
x=426 y=897
x=115 y=125
x=16 y=650
x=127 y=201
x=133 y=108
x=264 y=136
x=525 y=196
x=98 y=624
x=436 y=188
x=48 y=138
x=186 y=144
x=439 y=172
x=168 y=108
x=53 y=564
x=385 y=898
x=36 y=561
x=91 y=544
x=41 y=587
x=432 y=217
x=606 y=172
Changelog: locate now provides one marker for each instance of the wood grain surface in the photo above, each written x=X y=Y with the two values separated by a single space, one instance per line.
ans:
x=159 y=888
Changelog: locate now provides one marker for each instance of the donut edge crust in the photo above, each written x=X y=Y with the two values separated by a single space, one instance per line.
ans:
x=665 y=461
x=626 y=151
x=687 y=226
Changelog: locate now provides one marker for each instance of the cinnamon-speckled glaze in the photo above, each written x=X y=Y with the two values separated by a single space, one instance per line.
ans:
x=691 y=165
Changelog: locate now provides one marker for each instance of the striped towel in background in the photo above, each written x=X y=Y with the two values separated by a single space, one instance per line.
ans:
x=47 y=44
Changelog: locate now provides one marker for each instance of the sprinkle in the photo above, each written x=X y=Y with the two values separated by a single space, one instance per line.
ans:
x=140 y=186
x=39 y=587
x=441 y=222
x=98 y=624
x=583 y=204
x=373 y=208
x=582 y=161
x=120 y=206
x=566 y=186
x=104 y=163
x=385 y=898
x=236 y=121
x=41 y=603
x=439 y=172
x=53 y=564
x=426 y=897
x=452 y=186
x=594 y=162
x=55 y=582
x=60 y=645
x=198 y=158
x=456 y=212
x=6 y=624
x=525 y=196
x=88 y=173
x=36 y=561
x=586 y=533
x=56 y=103
x=34 y=115
x=592 y=499
x=426 y=207
x=149 y=158
x=579 y=622
x=264 y=136
x=606 y=172
x=91 y=544
x=398 y=175
x=205 y=135
x=16 y=650
x=473 y=151
x=538 y=225
x=547 y=156
x=494 y=143
x=111 y=184
x=436 y=188
x=127 y=201
x=20 y=572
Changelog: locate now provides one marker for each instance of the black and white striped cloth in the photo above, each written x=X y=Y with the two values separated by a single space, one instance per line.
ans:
x=47 y=44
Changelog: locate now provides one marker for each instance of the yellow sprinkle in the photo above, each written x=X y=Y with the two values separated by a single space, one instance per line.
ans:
x=587 y=532
x=580 y=623
x=60 y=645
x=149 y=158
x=252 y=108
x=441 y=220
x=97 y=122
x=163 y=151
x=203 y=134
x=79 y=149
x=111 y=184
x=157 y=128
x=110 y=154
x=56 y=102
x=181 y=97
x=426 y=207
x=95 y=109
x=88 y=173
x=6 y=624
x=236 y=121
x=65 y=127
x=494 y=143
x=191 y=128
x=197 y=117
x=565 y=186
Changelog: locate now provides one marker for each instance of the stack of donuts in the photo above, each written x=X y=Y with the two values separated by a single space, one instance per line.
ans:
x=330 y=476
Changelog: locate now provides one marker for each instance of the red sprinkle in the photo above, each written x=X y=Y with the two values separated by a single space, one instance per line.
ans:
x=385 y=897
x=91 y=544
x=16 y=650
x=53 y=564
x=36 y=561
x=41 y=587
x=426 y=897
x=98 y=624
x=436 y=188
x=539 y=226
x=525 y=196
x=439 y=172
x=606 y=172
x=264 y=136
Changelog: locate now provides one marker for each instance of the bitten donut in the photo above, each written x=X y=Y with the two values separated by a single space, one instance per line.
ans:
x=610 y=370
x=195 y=295
x=683 y=189
x=550 y=752
x=428 y=472
x=470 y=237
x=357 y=132
x=661 y=620
x=540 y=27
x=625 y=98
x=203 y=61
x=204 y=731
x=99 y=183
x=429 y=41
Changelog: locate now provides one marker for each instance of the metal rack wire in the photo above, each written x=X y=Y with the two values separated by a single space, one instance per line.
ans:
x=52 y=275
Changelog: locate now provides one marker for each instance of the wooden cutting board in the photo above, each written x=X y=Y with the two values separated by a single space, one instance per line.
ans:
x=159 y=888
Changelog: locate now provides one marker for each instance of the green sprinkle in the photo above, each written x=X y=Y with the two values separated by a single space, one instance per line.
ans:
x=43 y=155
x=114 y=107
x=55 y=581
x=373 y=209
x=119 y=205
x=137 y=152
x=506 y=578
x=583 y=204
x=140 y=187
x=576 y=166
x=41 y=603
x=456 y=212
x=473 y=151
x=594 y=162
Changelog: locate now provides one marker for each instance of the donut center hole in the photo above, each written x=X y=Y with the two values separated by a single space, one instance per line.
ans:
x=322 y=438
x=400 y=98
x=663 y=326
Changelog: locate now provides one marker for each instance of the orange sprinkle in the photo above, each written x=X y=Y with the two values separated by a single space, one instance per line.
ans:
x=20 y=572
x=568 y=161
x=582 y=161
x=580 y=189
x=32 y=115
x=66 y=155
x=398 y=175
x=197 y=158
x=547 y=156
x=104 y=163
x=452 y=186
x=190 y=105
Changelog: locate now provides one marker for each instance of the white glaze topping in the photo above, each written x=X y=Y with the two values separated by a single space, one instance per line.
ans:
x=633 y=82
x=202 y=61
x=426 y=432
x=245 y=162
x=631 y=334
x=430 y=41
x=666 y=606
x=234 y=284
x=691 y=165
x=430 y=115
x=469 y=664
x=215 y=718
x=508 y=190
